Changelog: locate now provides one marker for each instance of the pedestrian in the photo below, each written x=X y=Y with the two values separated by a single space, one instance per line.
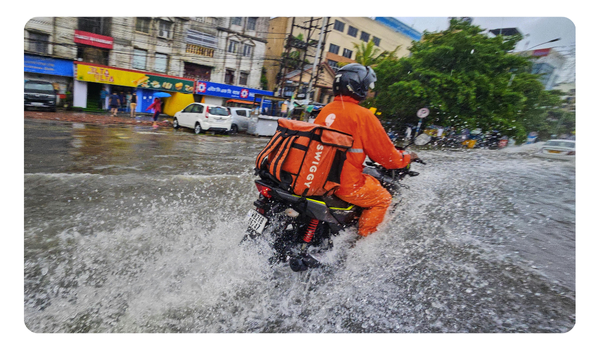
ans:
x=156 y=105
x=114 y=103
x=133 y=104
x=122 y=101
x=102 y=104
x=128 y=97
x=284 y=109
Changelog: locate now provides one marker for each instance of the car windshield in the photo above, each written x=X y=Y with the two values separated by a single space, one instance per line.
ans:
x=556 y=143
x=218 y=111
x=39 y=87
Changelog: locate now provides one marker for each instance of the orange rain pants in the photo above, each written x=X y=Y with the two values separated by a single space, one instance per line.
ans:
x=370 y=139
x=375 y=199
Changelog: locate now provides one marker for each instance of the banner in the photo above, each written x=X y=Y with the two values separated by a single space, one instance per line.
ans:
x=97 y=40
x=47 y=65
x=228 y=91
x=113 y=76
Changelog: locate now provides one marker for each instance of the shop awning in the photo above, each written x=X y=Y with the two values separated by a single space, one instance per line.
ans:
x=240 y=101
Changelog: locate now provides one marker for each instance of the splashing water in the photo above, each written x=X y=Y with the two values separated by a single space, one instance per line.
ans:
x=483 y=241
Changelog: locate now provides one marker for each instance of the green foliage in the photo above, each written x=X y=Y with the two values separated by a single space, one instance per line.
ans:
x=466 y=79
x=368 y=54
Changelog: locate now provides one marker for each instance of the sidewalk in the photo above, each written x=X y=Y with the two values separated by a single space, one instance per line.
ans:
x=98 y=118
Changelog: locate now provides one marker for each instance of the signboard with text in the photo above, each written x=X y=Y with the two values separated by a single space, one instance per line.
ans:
x=107 y=75
x=97 y=40
x=228 y=91
x=47 y=65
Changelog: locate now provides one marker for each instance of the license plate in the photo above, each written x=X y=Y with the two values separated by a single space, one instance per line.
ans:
x=552 y=151
x=37 y=104
x=256 y=222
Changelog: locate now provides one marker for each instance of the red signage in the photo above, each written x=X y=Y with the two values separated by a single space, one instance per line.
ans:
x=541 y=52
x=97 y=40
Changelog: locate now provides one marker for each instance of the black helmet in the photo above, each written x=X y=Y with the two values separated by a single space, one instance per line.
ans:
x=354 y=80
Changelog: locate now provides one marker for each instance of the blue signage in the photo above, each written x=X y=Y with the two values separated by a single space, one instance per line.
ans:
x=400 y=27
x=47 y=65
x=228 y=91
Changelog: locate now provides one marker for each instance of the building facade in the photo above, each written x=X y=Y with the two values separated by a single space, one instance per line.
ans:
x=342 y=33
x=548 y=64
x=148 y=54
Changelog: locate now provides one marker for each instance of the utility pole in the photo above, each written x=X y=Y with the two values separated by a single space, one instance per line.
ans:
x=314 y=68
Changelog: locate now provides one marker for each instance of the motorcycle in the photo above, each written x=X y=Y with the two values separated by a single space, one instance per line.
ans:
x=296 y=224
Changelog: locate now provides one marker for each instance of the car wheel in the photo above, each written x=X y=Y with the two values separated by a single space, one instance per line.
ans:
x=234 y=129
x=197 y=129
x=175 y=123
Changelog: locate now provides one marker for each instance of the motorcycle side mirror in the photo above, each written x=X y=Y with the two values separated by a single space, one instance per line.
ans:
x=422 y=139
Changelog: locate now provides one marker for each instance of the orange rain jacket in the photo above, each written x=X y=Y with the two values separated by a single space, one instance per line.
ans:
x=370 y=139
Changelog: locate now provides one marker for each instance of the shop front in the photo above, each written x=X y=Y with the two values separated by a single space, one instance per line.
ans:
x=92 y=79
x=56 y=71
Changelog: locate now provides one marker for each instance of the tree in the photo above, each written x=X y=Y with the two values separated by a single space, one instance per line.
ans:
x=465 y=78
x=368 y=54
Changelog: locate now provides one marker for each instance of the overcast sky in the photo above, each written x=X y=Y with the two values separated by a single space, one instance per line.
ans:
x=536 y=29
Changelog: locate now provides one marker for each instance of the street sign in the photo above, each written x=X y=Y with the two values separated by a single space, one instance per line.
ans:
x=422 y=113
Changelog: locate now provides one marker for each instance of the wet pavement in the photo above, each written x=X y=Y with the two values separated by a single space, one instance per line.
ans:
x=134 y=229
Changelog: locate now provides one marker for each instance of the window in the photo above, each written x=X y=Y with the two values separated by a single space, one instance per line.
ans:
x=376 y=41
x=198 y=109
x=38 y=42
x=243 y=78
x=218 y=110
x=142 y=25
x=229 y=76
x=251 y=25
x=334 y=48
x=96 y=25
x=201 y=39
x=347 y=53
x=139 y=59
x=236 y=21
x=233 y=46
x=365 y=36
x=332 y=63
x=339 y=26
x=352 y=31
x=164 y=29
x=247 y=50
x=160 y=62
x=188 y=109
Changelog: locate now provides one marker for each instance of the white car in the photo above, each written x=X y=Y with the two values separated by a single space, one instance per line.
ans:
x=241 y=119
x=203 y=117
x=557 y=149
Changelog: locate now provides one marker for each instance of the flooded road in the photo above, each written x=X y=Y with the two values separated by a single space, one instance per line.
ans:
x=130 y=229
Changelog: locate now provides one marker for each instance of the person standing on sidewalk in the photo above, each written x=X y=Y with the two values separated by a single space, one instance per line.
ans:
x=114 y=103
x=133 y=104
x=102 y=101
x=156 y=105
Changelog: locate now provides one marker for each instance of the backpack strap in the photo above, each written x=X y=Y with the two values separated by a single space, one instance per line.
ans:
x=275 y=141
x=280 y=156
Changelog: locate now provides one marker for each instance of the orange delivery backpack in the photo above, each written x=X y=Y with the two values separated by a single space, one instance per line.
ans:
x=304 y=158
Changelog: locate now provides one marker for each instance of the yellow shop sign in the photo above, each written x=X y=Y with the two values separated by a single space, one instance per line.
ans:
x=106 y=75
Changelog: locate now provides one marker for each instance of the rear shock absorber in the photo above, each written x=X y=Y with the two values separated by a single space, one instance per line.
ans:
x=310 y=231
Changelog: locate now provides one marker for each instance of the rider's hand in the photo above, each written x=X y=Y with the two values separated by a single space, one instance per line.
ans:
x=413 y=156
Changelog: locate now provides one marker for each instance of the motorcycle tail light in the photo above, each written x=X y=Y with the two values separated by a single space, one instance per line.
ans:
x=264 y=190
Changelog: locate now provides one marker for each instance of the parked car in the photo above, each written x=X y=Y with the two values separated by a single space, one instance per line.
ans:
x=40 y=94
x=203 y=117
x=241 y=119
x=557 y=149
